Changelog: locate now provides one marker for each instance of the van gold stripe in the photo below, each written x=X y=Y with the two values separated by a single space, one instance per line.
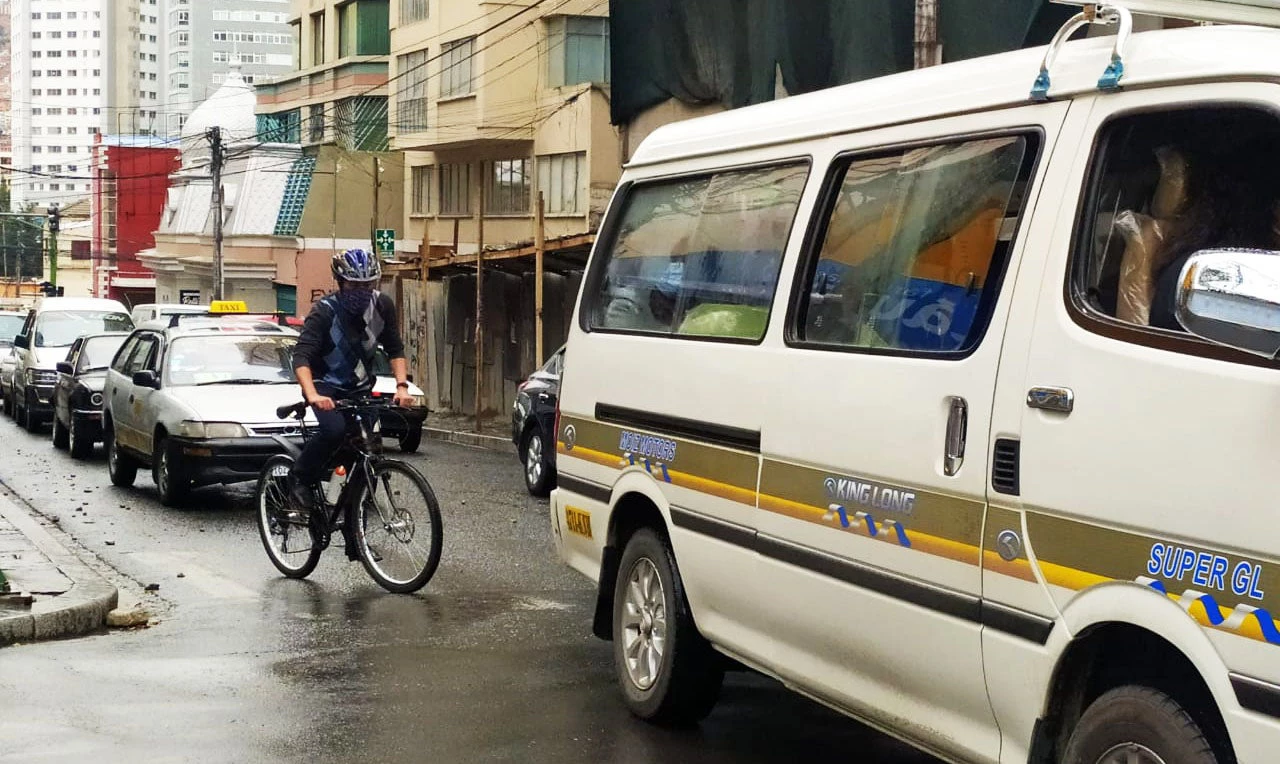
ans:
x=1019 y=568
x=678 y=478
x=923 y=542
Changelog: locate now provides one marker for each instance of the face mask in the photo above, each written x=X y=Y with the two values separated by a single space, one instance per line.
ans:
x=355 y=302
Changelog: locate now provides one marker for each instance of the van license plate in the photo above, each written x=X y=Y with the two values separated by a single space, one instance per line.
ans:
x=578 y=521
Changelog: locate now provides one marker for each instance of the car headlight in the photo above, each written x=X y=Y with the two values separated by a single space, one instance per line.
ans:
x=41 y=377
x=95 y=399
x=196 y=429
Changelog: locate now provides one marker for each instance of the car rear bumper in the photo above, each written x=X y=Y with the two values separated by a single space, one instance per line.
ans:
x=227 y=460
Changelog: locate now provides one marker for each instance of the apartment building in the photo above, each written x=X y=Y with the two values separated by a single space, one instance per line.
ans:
x=337 y=93
x=205 y=38
x=496 y=105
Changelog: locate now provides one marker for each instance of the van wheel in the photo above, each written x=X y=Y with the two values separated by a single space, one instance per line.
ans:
x=122 y=468
x=1137 y=725
x=668 y=672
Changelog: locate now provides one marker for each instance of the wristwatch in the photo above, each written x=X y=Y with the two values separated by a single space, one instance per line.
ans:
x=405 y=385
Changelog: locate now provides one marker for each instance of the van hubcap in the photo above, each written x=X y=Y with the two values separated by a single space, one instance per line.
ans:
x=644 y=625
x=1130 y=753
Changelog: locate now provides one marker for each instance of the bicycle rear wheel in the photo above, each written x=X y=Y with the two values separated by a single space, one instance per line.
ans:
x=398 y=528
x=288 y=542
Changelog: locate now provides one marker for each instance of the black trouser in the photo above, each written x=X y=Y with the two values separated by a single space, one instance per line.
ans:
x=323 y=440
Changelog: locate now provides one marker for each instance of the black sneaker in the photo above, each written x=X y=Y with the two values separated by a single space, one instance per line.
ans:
x=303 y=496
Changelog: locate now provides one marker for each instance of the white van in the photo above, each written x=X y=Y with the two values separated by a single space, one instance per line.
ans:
x=888 y=392
x=46 y=336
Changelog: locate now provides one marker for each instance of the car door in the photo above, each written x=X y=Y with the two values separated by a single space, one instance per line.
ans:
x=873 y=483
x=125 y=403
x=146 y=405
x=66 y=382
x=1147 y=456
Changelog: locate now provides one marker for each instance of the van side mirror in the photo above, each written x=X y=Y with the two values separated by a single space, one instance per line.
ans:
x=1232 y=297
x=64 y=367
x=22 y=341
x=146 y=378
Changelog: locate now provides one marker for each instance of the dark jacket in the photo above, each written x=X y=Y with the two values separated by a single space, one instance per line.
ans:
x=339 y=348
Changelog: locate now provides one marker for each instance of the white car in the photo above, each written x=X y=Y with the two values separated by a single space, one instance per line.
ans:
x=196 y=402
x=156 y=311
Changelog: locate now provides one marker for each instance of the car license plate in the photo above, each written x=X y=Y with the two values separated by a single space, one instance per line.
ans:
x=578 y=521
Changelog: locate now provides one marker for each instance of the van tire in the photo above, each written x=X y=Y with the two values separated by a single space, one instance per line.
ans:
x=1139 y=716
x=686 y=684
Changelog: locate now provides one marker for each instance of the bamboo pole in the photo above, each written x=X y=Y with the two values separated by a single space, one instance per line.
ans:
x=480 y=300
x=540 y=247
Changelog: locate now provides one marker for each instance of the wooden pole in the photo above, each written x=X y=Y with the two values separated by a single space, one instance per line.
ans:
x=539 y=249
x=480 y=300
x=424 y=253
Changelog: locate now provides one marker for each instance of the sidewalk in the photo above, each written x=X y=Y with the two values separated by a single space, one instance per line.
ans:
x=495 y=434
x=51 y=592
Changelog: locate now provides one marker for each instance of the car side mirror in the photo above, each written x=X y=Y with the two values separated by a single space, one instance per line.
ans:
x=146 y=378
x=22 y=341
x=64 y=367
x=1232 y=297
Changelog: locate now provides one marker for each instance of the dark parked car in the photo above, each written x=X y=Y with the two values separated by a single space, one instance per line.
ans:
x=77 y=396
x=533 y=425
x=405 y=425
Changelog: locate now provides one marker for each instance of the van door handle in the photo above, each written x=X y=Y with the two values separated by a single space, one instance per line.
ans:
x=957 y=431
x=1059 y=399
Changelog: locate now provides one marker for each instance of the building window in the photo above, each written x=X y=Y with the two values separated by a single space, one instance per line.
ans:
x=578 y=50
x=455 y=75
x=455 y=189
x=421 y=178
x=347 y=16
x=411 y=98
x=506 y=187
x=184 y=18
x=317 y=39
x=414 y=10
x=315 y=123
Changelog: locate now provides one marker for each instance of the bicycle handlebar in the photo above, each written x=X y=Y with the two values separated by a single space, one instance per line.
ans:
x=299 y=409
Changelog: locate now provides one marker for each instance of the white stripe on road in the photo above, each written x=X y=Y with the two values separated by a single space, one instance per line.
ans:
x=208 y=582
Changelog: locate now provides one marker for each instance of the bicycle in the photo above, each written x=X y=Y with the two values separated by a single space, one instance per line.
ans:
x=387 y=520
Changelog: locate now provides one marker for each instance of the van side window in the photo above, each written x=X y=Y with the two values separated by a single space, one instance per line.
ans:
x=698 y=256
x=913 y=246
x=1165 y=185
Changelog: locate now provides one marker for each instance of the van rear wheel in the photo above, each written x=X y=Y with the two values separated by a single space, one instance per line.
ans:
x=1137 y=725
x=668 y=673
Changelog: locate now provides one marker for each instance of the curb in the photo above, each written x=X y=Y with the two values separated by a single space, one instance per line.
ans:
x=80 y=610
x=487 y=442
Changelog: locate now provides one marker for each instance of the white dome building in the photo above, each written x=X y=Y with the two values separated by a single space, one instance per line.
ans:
x=231 y=108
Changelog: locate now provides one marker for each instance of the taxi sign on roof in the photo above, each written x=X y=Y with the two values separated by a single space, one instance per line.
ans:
x=228 y=306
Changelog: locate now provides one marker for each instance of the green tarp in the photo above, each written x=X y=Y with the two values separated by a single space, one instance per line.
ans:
x=732 y=51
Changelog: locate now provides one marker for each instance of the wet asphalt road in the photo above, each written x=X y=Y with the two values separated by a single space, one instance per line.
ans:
x=493 y=661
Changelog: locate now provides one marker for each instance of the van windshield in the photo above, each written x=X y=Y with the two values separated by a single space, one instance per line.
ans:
x=61 y=328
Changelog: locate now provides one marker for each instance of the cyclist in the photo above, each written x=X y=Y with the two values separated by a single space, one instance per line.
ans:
x=334 y=360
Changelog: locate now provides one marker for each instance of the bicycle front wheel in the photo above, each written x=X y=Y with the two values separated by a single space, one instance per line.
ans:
x=398 y=527
x=286 y=534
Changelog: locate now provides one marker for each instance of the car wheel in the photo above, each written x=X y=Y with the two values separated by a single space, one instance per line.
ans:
x=79 y=440
x=1137 y=725
x=669 y=674
x=167 y=470
x=8 y=402
x=539 y=470
x=122 y=468
x=412 y=438
x=61 y=438
x=30 y=419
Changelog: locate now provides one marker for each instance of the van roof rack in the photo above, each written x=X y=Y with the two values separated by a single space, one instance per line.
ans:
x=1257 y=12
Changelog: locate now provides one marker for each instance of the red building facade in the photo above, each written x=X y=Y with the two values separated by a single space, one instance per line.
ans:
x=130 y=187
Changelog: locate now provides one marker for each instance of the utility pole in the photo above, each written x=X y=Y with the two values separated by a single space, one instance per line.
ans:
x=480 y=301
x=928 y=51
x=377 y=186
x=215 y=165
x=55 y=220
x=539 y=252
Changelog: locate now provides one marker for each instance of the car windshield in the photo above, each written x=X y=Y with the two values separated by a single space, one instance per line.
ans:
x=10 y=327
x=61 y=328
x=230 y=360
x=98 y=351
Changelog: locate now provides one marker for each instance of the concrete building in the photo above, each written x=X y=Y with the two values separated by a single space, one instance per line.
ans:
x=79 y=68
x=204 y=38
x=337 y=95
x=494 y=108
x=286 y=210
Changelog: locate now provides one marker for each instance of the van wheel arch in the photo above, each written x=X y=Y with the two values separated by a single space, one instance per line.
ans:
x=1110 y=655
x=632 y=512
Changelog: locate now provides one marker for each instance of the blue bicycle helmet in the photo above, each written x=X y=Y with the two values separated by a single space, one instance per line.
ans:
x=357 y=265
